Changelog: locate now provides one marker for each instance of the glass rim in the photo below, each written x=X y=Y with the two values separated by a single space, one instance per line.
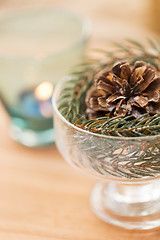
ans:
x=82 y=39
x=55 y=108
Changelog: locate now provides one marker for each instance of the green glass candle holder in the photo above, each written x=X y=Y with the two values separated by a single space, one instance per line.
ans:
x=38 y=47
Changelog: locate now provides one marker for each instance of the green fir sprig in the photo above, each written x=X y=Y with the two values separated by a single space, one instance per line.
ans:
x=122 y=126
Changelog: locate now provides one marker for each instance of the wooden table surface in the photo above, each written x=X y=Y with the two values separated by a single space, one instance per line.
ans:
x=41 y=196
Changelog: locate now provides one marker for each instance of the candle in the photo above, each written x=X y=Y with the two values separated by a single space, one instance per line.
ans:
x=37 y=102
x=36 y=106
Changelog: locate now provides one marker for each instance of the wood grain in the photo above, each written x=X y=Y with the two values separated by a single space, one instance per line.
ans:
x=41 y=196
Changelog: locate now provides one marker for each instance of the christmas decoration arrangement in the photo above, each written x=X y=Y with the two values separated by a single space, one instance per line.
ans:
x=113 y=105
x=118 y=94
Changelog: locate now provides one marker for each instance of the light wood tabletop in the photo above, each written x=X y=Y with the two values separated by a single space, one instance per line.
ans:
x=41 y=196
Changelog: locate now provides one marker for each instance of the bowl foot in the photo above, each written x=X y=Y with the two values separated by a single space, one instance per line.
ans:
x=118 y=204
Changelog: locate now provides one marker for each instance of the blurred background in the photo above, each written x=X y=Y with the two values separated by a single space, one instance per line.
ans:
x=120 y=18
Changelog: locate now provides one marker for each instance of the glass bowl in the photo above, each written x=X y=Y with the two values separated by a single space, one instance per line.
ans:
x=128 y=194
x=38 y=47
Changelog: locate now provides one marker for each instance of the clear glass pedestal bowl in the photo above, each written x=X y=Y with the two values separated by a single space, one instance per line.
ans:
x=128 y=194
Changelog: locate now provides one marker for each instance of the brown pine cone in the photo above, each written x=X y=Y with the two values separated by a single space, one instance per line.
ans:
x=125 y=90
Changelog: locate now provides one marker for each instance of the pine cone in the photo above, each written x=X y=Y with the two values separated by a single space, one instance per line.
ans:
x=125 y=90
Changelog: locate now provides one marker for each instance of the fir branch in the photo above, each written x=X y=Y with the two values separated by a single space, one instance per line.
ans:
x=73 y=93
x=131 y=159
x=122 y=126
